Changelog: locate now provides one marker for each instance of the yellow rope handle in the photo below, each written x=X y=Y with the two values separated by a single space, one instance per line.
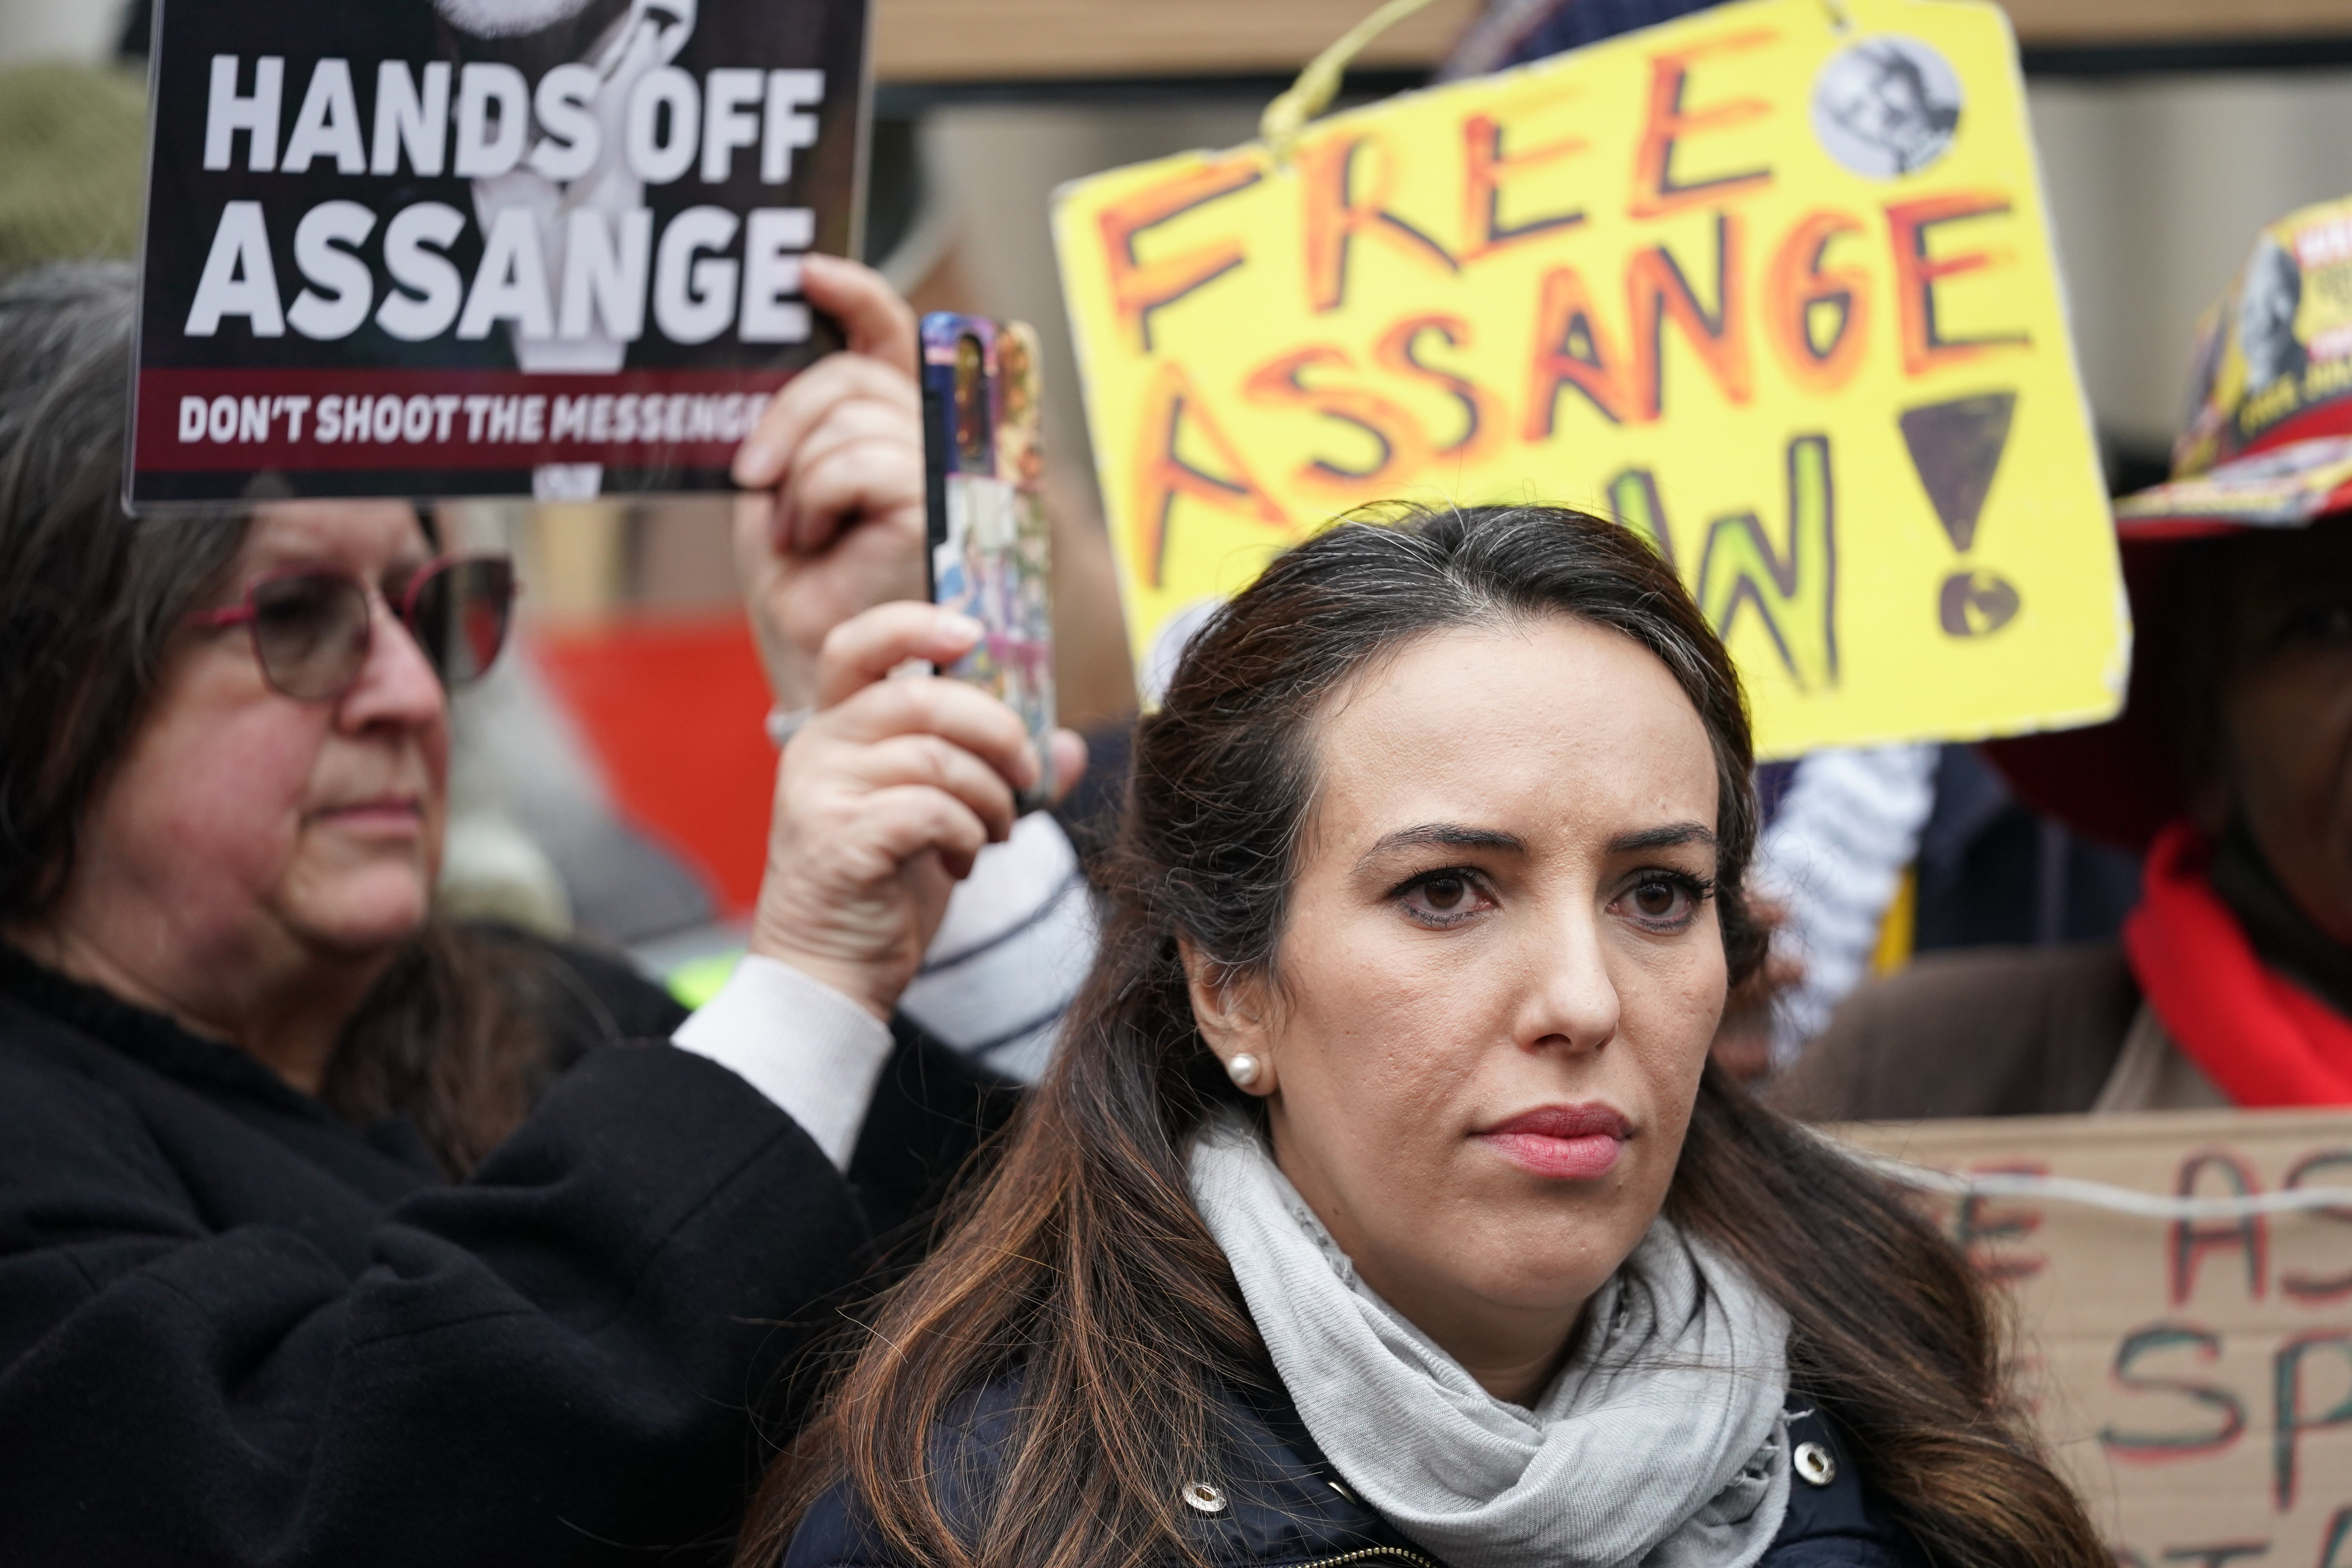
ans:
x=1312 y=93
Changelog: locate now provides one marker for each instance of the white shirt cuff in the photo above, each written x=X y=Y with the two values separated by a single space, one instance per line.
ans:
x=814 y=1053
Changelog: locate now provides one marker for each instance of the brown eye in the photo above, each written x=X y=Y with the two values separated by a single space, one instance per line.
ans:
x=1662 y=903
x=1443 y=898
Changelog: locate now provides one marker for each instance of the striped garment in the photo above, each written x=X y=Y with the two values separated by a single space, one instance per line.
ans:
x=1832 y=858
x=1019 y=937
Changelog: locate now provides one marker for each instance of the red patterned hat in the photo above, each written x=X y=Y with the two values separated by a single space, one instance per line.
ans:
x=2269 y=444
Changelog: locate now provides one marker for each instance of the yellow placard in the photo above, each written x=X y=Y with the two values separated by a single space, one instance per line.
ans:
x=1772 y=284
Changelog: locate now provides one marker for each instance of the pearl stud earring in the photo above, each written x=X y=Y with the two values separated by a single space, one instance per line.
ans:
x=1242 y=1070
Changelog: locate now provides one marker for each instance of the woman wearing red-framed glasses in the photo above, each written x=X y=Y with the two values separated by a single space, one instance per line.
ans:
x=316 y=1245
x=313 y=625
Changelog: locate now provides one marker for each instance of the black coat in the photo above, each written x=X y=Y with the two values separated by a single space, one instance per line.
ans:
x=1286 y=1506
x=234 y=1330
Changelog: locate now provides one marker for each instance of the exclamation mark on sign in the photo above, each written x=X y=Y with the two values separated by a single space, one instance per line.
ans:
x=1955 y=447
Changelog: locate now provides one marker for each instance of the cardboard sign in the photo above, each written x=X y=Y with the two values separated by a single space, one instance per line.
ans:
x=2192 y=1377
x=479 y=246
x=1771 y=284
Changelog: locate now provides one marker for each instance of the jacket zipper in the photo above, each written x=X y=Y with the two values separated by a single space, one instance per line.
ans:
x=1370 y=1554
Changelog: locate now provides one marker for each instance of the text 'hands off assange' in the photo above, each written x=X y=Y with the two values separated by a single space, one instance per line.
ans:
x=672 y=127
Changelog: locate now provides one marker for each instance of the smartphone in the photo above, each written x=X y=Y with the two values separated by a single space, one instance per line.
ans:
x=989 y=553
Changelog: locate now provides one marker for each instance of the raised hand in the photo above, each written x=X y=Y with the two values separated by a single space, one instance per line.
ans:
x=884 y=799
x=832 y=522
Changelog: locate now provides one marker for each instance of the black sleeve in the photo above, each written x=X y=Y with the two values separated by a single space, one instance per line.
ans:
x=932 y=1114
x=583 y=996
x=601 y=996
x=933 y=1109
x=550 y=1364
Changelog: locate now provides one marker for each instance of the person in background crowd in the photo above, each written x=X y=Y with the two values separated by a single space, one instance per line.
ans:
x=1381 y=1205
x=1876 y=854
x=2231 y=762
x=330 y=1233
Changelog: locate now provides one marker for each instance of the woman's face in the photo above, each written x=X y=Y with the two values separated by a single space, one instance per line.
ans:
x=1498 y=981
x=244 y=829
x=2285 y=762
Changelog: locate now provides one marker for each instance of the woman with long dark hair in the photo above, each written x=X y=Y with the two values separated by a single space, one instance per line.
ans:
x=1382 y=1206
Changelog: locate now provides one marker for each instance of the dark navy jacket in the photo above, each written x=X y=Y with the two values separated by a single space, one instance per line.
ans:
x=1283 y=1505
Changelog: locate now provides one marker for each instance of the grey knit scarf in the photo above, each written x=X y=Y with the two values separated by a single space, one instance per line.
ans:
x=1660 y=1444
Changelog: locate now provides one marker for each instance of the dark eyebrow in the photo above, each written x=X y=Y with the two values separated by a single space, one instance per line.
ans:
x=1452 y=836
x=1672 y=836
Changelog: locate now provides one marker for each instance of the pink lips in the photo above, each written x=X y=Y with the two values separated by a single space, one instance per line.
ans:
x=1568 y=1142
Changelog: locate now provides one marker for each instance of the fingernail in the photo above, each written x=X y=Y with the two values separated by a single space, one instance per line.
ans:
x=956 y=625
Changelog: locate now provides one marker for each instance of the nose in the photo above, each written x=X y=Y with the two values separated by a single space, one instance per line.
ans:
x=396 y=685
x=1571 y=1001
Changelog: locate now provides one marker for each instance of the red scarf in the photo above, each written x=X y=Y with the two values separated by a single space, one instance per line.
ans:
x=2262 y=1039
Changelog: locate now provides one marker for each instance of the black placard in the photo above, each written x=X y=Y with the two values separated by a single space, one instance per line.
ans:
x=419 y=247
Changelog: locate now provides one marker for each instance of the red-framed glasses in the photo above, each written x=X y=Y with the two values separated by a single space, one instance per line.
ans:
x=312 y=627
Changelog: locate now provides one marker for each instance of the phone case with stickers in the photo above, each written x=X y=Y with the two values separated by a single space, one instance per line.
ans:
x=990 y=551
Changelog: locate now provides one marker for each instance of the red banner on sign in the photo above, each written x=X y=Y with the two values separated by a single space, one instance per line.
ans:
x=193 y=421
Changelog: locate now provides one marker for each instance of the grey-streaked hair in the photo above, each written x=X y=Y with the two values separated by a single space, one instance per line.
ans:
x=88 y=594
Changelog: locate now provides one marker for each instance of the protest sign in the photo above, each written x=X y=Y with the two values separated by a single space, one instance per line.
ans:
x=481 y=247
x=2192 y=1377
x=1771 y=284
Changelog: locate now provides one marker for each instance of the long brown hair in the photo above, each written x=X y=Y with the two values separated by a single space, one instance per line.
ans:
x=90 y=598
x=1081 y=1263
